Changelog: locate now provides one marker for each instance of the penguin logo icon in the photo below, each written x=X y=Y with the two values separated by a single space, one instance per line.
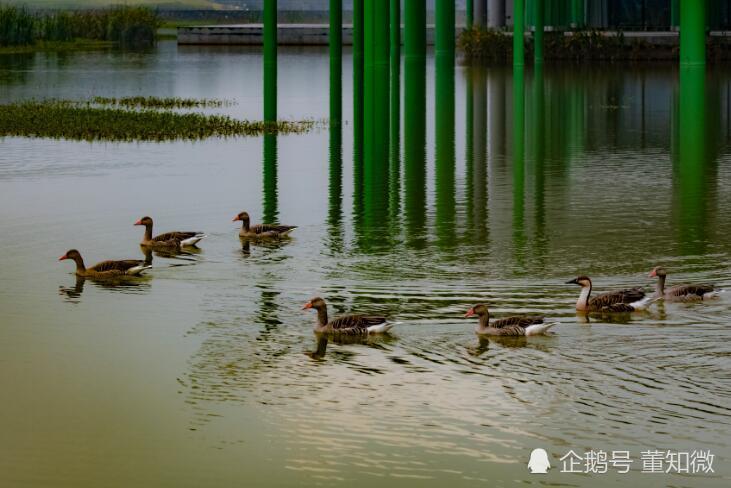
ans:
x=538 y=463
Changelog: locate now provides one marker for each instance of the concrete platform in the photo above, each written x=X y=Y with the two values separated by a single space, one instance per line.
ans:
x=252 y=34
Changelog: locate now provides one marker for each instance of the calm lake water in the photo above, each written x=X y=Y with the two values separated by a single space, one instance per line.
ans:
x=207 y=372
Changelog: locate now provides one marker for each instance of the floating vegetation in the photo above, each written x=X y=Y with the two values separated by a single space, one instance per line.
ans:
x=80 y=121
x=122 y=25
x=162 y=103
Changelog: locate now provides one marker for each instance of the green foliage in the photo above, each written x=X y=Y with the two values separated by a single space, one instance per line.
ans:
x=83 y=121
x=124 y=25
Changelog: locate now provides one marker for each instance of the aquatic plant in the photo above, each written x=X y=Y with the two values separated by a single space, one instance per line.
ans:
x=81 y=121
x=162 y=103
x=124 y=25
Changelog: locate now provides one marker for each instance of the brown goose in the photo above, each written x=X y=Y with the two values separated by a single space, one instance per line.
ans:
x=106 y=269
x=261 y=231
x=516 y=325
x=169 y=240
x=628 y=300
x=347 y=324
x=681 y=293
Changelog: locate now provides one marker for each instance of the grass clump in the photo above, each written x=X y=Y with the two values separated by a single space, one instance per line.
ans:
x=72 y=120
x=122 y=25
x=162 y=103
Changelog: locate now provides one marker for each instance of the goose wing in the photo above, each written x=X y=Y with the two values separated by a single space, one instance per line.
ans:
x=355 y=322
x=689 y=290
x=175 y=236
x=511 y=330
x=519 y=320
x=121 y=266
x=279 y=229
x=615 y=298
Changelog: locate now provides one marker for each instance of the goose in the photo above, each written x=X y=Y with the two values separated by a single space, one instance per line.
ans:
x=347 y=324
x=681 y=293
x=169 y=240
x=628 y=300
x=261 y=231
x=106 y=269
x=516 y=325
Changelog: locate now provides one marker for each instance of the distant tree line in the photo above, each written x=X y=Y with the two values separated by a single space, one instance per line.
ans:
x=124 y=25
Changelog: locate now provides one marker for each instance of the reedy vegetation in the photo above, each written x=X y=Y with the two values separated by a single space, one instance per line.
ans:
x=124 y=25
x=84 y=121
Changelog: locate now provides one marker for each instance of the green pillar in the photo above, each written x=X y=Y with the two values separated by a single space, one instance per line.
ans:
x=336 y=60
x=674 y=14
x=270 y=60
x=469 y=14
x=414 y=29
x=539 y=12
x=376 y=50
x=444 y=35
x=692 y=32
x=577 y=13
x=357 y=89
x=518 y=26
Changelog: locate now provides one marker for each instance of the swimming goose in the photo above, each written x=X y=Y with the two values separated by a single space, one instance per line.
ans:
x=106 y=269
x=174 y=240
x=261 y=231
x=681 y=293
x=628 y=300
x=516 y=325
x=347 y=324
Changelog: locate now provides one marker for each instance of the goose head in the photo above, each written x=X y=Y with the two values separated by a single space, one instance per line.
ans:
x=658 y=271
x=243 y=216
x=480 y=310
x=144 y=221
x=582 y=281
x=71 y=254
x=317 y=303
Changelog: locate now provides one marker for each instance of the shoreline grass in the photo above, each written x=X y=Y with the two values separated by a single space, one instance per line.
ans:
x=162 y=103
x=62 y=119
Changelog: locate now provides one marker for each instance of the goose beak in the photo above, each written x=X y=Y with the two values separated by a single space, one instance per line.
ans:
x=470 y=313
x=573 y=282
x=307 y=305
x=139 y=222
x=63 y=257
x=235 y=219
x=653 y=273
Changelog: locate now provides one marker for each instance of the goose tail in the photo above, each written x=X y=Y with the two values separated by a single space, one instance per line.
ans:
x=537 y=329
x=645 y=302
x=138 y=270
x=381 y=328
x=192 y=241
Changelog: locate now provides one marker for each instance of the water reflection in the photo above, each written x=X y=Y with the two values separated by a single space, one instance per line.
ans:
x=444 y=153
x=270 y=204
x=414 y=181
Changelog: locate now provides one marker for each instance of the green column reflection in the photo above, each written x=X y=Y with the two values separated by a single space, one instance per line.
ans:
x=538 y=116
x=477 y=172
x=395 y=111
x=270 y=203
x=376 y=115
x=691 y=187
x=357 y=111
x=518 y=161
x=415 y=147
x=444 y=150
